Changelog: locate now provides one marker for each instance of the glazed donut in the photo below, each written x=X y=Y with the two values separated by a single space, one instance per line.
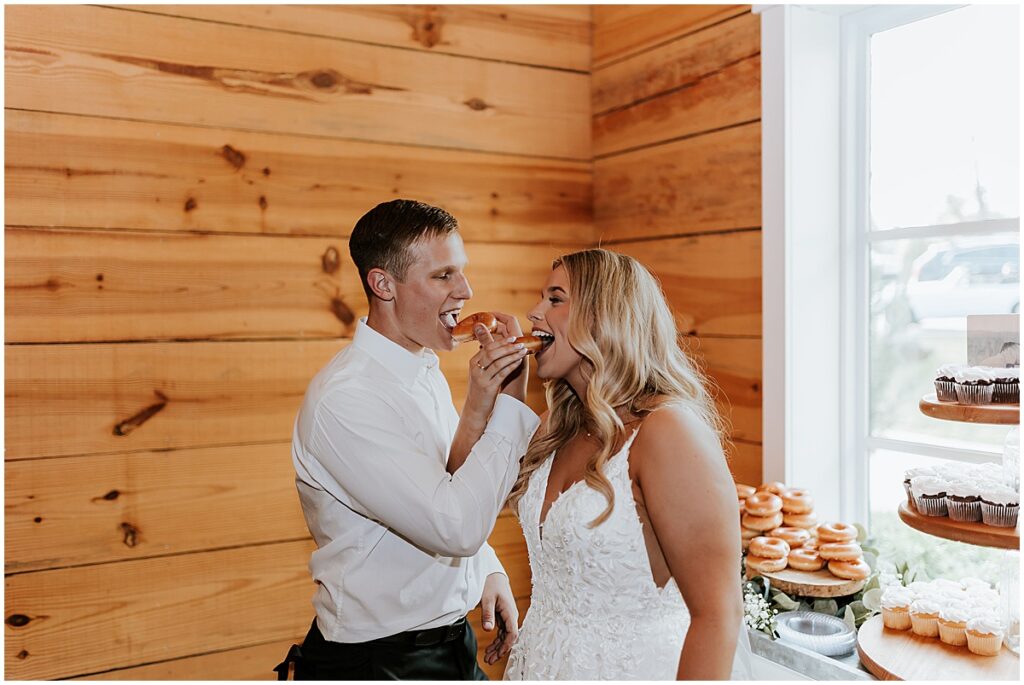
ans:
x=840 y=551
x=808 y=520
x=850 y=570
x=463 y=331
x=762 y=524
x=532 y=343
x=811 y=543
x=744 y=491
x=803 y=559
x=796 y=501
x=774 y=487
x=795 y=537
x=837 y=532
x=769 y=548
x=763 y=504
x=763 y=565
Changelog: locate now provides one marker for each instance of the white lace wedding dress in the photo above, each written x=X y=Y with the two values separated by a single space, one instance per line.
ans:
x=595 y=612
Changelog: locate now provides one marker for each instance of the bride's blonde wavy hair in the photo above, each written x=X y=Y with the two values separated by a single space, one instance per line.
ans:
x=621 y=325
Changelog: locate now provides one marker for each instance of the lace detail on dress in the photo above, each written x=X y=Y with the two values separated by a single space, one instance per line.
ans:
x=595 y=611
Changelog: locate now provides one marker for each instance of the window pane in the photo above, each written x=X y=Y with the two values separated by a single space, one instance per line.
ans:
x=899 y=542
x=944 y=119
x=921 y=293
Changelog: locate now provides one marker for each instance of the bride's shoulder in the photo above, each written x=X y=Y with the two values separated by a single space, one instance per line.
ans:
x=673 y=428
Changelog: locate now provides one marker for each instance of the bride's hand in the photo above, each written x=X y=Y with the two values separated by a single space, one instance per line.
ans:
x=498 y=604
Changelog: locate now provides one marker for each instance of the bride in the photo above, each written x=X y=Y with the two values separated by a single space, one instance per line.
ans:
x=624 y=495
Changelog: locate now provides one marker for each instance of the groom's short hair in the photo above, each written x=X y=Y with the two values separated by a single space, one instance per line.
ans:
x=382 y=237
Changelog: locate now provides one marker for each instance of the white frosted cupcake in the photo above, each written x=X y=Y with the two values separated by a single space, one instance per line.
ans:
x=945 y=382
x=988 y=470
x=970 y=582
x=984 y=598
x=1006 y=385
x=896 y=601
x=999 y=506
x=924 y=616
x=985 y=635
x=929 y=495
x=952 y=624
x=913 y=473
x=920 y=588
x=963 y=500
x=974 y=385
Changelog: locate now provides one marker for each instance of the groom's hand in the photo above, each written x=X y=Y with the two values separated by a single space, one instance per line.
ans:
x=498 y=606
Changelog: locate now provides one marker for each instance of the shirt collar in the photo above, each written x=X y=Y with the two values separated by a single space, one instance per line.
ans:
x=392 y=356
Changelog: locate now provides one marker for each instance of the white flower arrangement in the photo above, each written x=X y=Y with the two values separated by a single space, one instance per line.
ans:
x=757 y=613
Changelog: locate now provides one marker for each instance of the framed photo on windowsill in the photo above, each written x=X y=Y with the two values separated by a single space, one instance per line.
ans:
x=993 y=340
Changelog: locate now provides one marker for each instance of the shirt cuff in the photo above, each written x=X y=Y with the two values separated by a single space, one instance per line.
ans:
x=514 y=421
x=489 y=562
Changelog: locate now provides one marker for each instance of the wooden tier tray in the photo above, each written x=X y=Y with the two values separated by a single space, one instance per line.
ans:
x=902 y=655
x=997 y=414
x=972 y=533
x=813 y=583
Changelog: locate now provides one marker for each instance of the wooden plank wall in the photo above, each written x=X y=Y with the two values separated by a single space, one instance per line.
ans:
x=677 y=174
x=180 y=183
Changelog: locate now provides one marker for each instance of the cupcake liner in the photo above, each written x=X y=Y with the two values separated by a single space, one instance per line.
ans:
x=984 y=645
x=925 y=627
x=1005 y=393
x=963 y=511
x=974 y=394
x=999 y=515
x=952 y=635
x=945 y=391
x=897 y=620
x=931 y=506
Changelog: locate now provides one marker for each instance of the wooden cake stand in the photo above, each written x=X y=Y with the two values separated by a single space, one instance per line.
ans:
x=996 y=414
x=902 y=655
x=813 y=583
x=960 y=531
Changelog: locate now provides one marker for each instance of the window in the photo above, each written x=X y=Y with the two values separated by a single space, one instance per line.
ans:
x=933 y=146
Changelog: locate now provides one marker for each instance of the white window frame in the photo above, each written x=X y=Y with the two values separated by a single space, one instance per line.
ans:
x=815 y=269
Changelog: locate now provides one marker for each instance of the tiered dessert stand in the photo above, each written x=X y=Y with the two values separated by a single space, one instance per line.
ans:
x=902 y=655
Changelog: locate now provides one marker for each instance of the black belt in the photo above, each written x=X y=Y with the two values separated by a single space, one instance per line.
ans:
x=428 y=637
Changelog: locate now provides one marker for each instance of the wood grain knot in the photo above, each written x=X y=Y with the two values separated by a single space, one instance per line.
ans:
x=341 y=311
x=22 y=654
x=130 y=424
x=234 y=157
x=476 y=104
x=324 y=79
x=263 y=203
x=18 y=620
x=108 y=497
x=330 y=260
x=426 y=29
x=190 y=204
x=131 y=534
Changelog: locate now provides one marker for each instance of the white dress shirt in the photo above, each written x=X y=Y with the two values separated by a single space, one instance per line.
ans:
x=402 y=545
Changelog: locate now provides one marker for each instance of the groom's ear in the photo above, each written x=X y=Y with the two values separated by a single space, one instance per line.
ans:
x=381 y=283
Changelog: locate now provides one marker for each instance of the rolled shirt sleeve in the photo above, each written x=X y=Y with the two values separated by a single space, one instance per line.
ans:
x=379 y=470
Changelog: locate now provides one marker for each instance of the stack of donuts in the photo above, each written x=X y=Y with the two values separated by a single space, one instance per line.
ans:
x=780 y=529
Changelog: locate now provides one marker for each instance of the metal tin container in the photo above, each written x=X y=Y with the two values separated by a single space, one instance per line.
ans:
x=820 y=633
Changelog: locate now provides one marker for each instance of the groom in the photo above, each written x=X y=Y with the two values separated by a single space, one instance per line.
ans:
x=401 y=551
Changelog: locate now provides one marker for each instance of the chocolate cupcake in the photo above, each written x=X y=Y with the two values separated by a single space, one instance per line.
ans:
x=963 y=500
x=945 y=382
x=913 y=473
x=974 y=385
x=929 y=495
x=999 y=506
x=1006 y=386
